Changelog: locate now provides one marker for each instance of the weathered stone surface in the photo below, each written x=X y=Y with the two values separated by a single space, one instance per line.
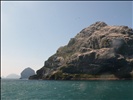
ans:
x=97 y=51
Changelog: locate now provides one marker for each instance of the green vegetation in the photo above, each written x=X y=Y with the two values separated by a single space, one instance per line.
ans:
x=67 y=76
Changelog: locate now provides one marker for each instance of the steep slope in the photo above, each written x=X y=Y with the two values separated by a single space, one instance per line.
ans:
x=98 y=51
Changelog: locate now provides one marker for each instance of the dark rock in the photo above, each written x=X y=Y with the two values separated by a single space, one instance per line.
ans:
x=97 y=51
x=34 y=77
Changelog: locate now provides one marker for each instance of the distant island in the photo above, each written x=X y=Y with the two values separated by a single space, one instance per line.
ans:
x=12 y=76
x=26 y=73
x=98 y=52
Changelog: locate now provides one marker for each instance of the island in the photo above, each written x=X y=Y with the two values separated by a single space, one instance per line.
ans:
x=27 y=72
x=98 y=52
x=13 y=76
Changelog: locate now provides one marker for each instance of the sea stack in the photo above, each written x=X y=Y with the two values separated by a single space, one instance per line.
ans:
x=99 y=51
x=27 y=72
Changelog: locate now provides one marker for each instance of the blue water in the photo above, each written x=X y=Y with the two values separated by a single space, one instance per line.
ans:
x=66 y=90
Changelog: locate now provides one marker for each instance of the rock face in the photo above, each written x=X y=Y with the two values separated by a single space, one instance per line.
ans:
x=98 y=51
x=26 y=73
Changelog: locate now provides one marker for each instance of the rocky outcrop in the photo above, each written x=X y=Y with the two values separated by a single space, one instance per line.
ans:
x=98 y=51
x=26 y=73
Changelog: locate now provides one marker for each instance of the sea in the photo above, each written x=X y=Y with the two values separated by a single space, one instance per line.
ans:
x=18 y=89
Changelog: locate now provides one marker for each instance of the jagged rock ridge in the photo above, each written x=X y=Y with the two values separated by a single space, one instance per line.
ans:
x=98 y=51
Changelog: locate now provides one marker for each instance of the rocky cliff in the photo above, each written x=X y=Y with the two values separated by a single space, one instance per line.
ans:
x=27 y=72
x=98 y=51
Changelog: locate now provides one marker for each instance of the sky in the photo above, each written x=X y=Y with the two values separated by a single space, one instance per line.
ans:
x=32 y=31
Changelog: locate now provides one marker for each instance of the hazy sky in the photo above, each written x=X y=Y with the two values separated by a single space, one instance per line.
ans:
x=32 y=31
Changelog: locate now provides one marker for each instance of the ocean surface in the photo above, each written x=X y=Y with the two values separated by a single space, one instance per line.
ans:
x=16 y=89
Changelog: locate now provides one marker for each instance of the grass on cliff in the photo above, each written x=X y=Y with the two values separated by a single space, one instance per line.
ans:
x=65 y=76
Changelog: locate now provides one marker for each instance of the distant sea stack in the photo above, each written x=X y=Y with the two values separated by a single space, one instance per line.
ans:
x=98 y=52
x=26 y=73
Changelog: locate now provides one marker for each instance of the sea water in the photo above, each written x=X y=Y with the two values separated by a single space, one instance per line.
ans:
x=16 y=89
